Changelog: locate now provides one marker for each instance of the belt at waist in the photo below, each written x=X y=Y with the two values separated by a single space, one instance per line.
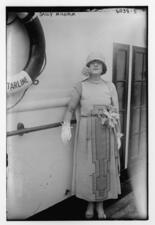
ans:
x=91 y=115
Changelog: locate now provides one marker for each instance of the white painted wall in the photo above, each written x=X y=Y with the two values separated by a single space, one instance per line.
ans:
x=40 y=166
x=72 y=38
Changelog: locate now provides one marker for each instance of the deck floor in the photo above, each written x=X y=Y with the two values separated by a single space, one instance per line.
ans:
x=73 y=208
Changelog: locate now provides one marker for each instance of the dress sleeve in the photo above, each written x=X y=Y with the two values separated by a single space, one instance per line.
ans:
x=75 y=97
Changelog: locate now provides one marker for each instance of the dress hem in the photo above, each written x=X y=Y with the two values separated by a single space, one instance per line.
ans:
x=97 y=200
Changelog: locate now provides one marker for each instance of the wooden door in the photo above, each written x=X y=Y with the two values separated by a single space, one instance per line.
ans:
x=120 y=78
x=138 y=109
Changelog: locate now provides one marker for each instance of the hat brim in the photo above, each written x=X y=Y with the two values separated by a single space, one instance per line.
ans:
x=104 y=67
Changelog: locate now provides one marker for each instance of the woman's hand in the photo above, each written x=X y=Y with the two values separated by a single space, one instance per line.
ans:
x=66 y=132
x=118 y=142
x=119 y=135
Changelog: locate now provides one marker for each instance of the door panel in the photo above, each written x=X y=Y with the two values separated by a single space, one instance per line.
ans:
x=121 y=93
x=135 y=121
x=134 y=146
x=136 y=95
x=138 y=108
x=138 y=69
x=121 y=63
x=138 y=116
x=120 y=78
x=143 y=120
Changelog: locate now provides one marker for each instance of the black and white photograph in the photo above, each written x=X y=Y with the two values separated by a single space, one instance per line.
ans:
x=76 y=113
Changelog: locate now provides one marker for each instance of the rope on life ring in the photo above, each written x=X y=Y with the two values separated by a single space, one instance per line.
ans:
x=25 y=78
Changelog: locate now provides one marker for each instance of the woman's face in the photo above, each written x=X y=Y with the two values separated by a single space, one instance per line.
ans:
x=95 y=67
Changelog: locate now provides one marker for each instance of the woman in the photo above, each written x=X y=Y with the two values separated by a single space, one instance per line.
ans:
x=97 y=139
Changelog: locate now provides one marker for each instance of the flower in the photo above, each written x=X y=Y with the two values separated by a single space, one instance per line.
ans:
x=109 y=115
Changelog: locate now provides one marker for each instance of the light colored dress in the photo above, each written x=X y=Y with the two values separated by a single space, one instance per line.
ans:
x=96 y=157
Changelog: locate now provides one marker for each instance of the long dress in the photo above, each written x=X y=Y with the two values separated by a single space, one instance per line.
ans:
x=96 y=162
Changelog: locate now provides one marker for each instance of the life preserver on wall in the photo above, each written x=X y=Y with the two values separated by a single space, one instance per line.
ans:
x=33 y=67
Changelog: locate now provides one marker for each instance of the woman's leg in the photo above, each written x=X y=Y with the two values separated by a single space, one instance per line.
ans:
x=90 y=210
x=100 y=210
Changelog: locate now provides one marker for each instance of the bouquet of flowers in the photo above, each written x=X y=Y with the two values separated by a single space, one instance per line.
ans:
x=109 y=116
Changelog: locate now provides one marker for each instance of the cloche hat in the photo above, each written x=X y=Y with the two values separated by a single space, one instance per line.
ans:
x=96 y=56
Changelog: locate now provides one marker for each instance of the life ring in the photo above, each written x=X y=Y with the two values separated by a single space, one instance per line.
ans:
x=33 y=67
